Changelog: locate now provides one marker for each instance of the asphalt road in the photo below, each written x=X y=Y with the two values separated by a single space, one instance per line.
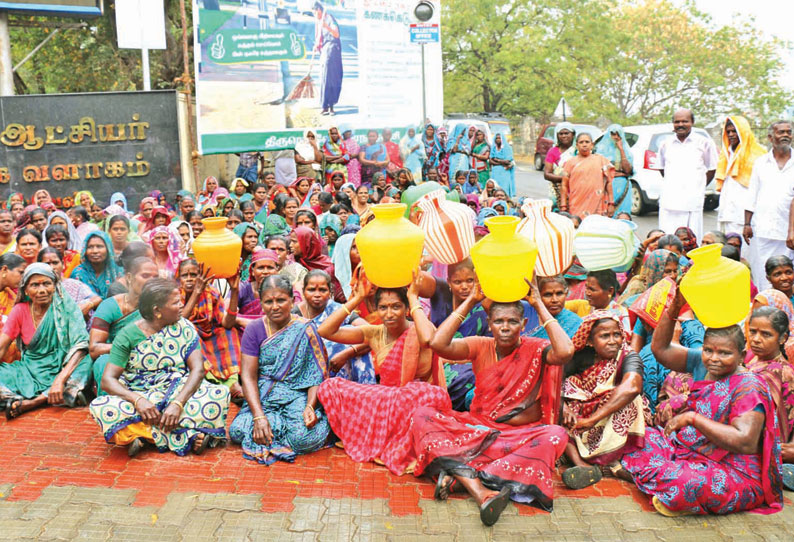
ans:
x=530 y=182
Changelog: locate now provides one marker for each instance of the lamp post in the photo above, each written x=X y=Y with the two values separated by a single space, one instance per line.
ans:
x=423 y=12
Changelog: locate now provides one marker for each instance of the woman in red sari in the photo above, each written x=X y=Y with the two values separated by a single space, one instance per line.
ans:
x=307 y=249
x=505 y=447
x=372 y=419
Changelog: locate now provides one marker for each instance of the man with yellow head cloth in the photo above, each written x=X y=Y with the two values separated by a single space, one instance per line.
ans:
x=739 y=152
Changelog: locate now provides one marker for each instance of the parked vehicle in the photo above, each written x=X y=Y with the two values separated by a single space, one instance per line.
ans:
x=546 y=140
x=454 y=120
x=645 y=142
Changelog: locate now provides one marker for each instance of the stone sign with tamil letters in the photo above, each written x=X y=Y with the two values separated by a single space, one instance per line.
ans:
x=103 y=142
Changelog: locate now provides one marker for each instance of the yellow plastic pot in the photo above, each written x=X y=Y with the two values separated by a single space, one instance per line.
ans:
x=503 y=259
x=390 y=246
x=218 y=248
x=717 y=288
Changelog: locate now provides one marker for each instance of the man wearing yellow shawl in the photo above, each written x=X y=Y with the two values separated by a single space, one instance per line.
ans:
x=739 y=152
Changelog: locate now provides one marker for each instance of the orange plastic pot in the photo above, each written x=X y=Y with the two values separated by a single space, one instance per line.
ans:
x=218 y=248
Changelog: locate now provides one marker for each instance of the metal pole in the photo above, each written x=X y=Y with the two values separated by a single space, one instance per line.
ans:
x=37 y=48
x=564 y=107
x=6 y=68
x=187 y=83
x=147 y=78
x=424 y=89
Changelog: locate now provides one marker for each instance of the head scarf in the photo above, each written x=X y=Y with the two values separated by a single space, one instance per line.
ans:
x=472 y=198
x=222 y=205
x=219 y=195
x=48 y=206
x=38 y=195
x=261 y=254
x=240 y=229
x=582 y=334
x=692 y=241
x=343 y=269
x=653 y=266
x=74 y=237
x=144 y=201
x=113 y=210
x=503 y=204
x=331 y=221
x=607 y=148
x=484 y=213
x=350 y=228
x=85 y=271
x=505 y=152
x=79 y=195
x=777 y=299
x=576 y=271
x=157 y=194
x=563 y=126
x=172 y=248
x=149 y=224
x=184 y=253
x=433 y=147
x=463 y=144
x=311 y=247
x=745 y=154
x=35 y=269
x=18 y=195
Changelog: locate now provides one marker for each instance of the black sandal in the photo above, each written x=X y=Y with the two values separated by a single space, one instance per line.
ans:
x=203 y=446
x=12 y=408
x=491 y=509
x=444 y=490
x=581 y=477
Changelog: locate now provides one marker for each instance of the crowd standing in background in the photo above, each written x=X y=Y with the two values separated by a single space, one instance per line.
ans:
x=105 y=306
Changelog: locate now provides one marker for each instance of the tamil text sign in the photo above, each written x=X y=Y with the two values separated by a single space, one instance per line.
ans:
x=67 y=8
x=103 y=142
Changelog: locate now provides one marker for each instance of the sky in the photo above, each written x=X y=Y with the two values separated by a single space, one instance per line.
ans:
x=773 y=16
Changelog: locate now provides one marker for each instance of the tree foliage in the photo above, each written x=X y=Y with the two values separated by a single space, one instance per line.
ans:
x=88 y=59
x=625 y=60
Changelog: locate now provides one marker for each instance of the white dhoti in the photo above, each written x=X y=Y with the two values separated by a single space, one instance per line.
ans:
x=730 y=218
x=761 y=249
x=670 y=220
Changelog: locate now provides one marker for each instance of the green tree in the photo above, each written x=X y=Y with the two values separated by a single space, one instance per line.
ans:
x=89 y=60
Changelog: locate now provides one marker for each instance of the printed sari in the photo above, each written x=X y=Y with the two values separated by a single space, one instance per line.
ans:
x=481 y=444
x=109 y=318
x=335 y=149
x=156 y=368
x=7 y=299
x=219 y=346
x=60 y=335
x=85 y=272
x=291 y=360
x=779 y=377
x=687 y=472
x=482 y=166
x=372 y=419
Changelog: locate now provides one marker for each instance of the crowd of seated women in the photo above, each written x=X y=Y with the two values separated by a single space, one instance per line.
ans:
x=433 y=379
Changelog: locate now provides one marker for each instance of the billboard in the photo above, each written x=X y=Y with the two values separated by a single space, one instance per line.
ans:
x=103 y=142
x=268 y=70
x=66 y=8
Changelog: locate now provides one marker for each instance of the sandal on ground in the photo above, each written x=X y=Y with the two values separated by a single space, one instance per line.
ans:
x=12 y=408
x=203 y=446
x=444 y=490
x=581 y=477
x=80 y=399
x=666 y=512
x=135 y=447
x=492 y=508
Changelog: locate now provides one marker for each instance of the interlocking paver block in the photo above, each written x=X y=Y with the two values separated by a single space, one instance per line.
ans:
x=12 y=510
x=5 y=489
x=177 y=508
x=338 y=528
x=229 y=502
x=141 y=533
x=46 y=506
x=200 y=526
x=66 y=522
x=103 y=496
x=354 y=507
x=307 y=515
x=93 y=532
x=124 y=515
x=15 y=529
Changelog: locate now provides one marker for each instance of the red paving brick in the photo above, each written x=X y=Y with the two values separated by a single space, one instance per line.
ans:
x=57 y=447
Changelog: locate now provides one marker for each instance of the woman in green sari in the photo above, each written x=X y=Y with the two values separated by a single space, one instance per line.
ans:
x=116 y=312
x=480 y=155
x=155 y=378
x=50 y=329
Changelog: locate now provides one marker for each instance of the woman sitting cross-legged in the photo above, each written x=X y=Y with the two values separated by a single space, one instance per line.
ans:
x=501 y=449
x=283 y=363
x=603 y=407
x=155 y=381
x=54 y=368
x=372 y=419
x=116 y=312
x=722 y=454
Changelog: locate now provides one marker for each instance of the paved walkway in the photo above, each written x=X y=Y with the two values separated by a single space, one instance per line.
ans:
x=59 y=480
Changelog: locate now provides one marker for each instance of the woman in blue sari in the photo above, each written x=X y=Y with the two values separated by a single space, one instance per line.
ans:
x=502 y=166
x=350 y=362
x=283 y=364
x=413 y=153
x=98 y=269
x=553 y=292
x=615 y=148
x=374 y=158
x=458 y=148
x=433 y=149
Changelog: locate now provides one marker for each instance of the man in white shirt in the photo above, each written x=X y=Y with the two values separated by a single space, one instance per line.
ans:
x=687 y=162
x=768 y=212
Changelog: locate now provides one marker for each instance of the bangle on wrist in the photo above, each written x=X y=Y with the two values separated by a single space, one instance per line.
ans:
x=354 y=348
x=263 y=417
x=135 y=404
x=415 y=308
x=459 y=316
x=547 y=322
x=347 y=311
x=177 y=402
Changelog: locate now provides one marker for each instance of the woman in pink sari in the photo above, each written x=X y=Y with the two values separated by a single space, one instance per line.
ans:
x=722 y=454
x=501 y=449
x=587 y=182
x=372 y=420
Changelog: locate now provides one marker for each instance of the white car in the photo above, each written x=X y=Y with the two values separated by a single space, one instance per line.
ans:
x=646 y=179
